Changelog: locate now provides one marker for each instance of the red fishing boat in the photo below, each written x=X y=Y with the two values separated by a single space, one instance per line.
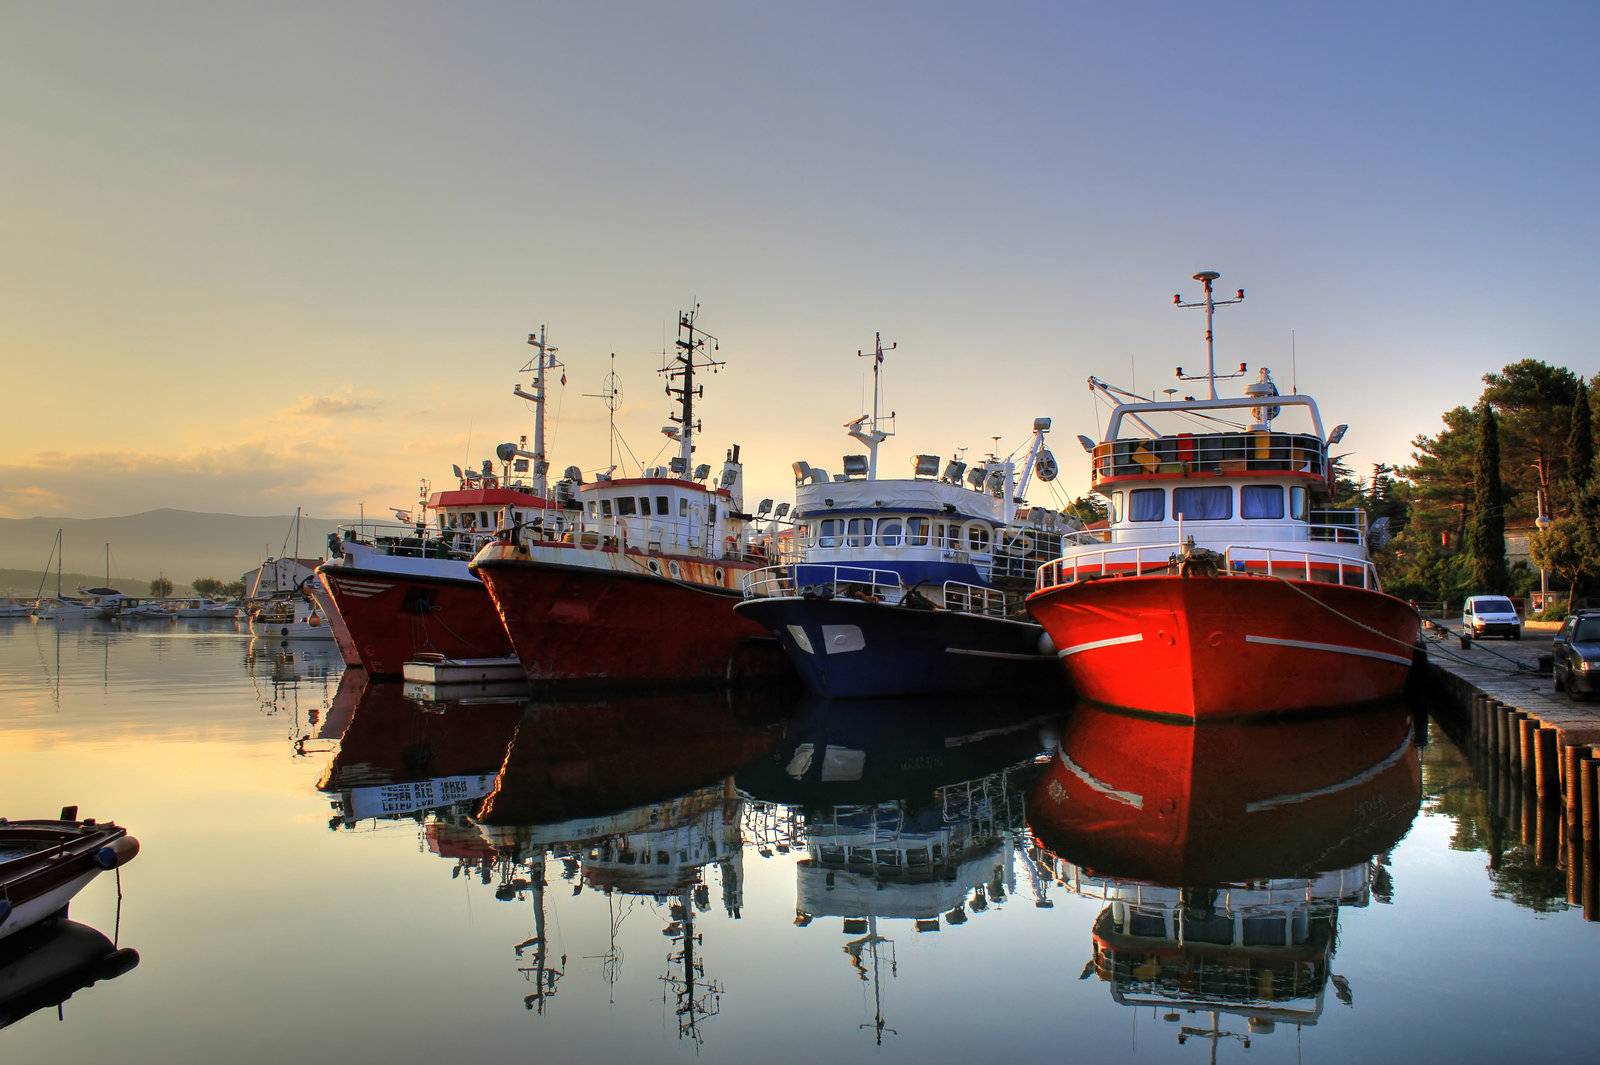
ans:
x=1224 y=585
x=639 y=586
x=405 y=590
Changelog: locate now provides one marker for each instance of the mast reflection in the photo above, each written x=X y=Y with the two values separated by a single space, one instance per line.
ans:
x=1224 y=855
x=905 y=810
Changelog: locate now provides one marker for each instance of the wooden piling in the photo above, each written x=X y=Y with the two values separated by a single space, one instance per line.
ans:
x=1546 y=764
x=1574 y=866
x=1571 y=758
x=1527 y=745
x=1589 y=781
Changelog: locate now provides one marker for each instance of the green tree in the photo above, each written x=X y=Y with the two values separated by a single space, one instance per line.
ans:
x=1580 y=448
x=1087 y=509
x=1533 y=401
x=208 y=586
x=1563 y=548
x=1486 y=535
x=1441 y=473
x=161 y=587
x=232 y=590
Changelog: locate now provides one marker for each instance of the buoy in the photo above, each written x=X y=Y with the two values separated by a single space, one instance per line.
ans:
x=116 y=853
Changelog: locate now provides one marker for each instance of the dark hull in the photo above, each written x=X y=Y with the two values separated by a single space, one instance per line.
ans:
x=393 y=617
x=856 y=650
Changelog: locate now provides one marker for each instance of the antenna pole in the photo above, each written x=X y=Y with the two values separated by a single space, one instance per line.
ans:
x=691 y=344
x=875 y=434
x=1211 y=303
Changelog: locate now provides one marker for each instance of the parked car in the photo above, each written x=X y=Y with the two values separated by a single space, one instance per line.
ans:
x=1490 y=615
x=1576 y=654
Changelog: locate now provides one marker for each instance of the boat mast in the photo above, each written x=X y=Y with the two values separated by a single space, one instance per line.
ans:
x=691 y=344
x=544 y=358
x=1210 y=303
x=874 y=435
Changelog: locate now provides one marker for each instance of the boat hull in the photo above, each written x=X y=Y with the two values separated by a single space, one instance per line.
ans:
x=1229 y=647
x=849 y=649
x=55 y=860
x=393 y=617
x=591 y=627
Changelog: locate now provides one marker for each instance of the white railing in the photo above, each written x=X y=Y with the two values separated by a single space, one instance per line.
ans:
x=974 y=599
x=1131 y=560
x=822 y=579
x=1223 y=453
x=1287 y=531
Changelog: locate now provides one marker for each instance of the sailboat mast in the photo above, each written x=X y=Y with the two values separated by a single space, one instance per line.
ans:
x=686 y=439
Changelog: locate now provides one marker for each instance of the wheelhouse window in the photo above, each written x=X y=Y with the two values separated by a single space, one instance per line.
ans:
x=917 y=532
x=891 y=532
x=1116 y=506
x=683 y=507
x=1147 y=504
x=859 y=532
x=1261 y=501
x=605 y=508
x=977 y=537
x=663 y=505
x=1297 y=503
x=828 y=532
x=594 y=509
x=644 y=505
x=625 y=507
x=1209 y=503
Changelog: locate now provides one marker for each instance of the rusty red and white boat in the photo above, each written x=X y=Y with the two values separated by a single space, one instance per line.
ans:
x=1224 y=585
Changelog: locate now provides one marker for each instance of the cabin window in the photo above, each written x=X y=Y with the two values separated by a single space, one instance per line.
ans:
x=828 y=532
x=1116 y=506
x=891 y=532
x=977 y=538
x=644 y=505
x=1261 y=501
x=594 y=509
x=1297 y=503
x=605 y=508
x=624 y=506
x=1147 y=504
x=1211 y=503
x=917 y=531
x=859 y=532
x=663 y=505
x=452 y=519
x=683 y=507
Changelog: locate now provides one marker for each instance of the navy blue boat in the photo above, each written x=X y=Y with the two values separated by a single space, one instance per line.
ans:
x=913 y=586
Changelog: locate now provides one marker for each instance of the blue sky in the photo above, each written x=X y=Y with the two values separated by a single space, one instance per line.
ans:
x=298 y=247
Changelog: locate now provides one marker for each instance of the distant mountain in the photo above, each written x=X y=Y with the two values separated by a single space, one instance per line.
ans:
x=25 y=583
x=181 y=544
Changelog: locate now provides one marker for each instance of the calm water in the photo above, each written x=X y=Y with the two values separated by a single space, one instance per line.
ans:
x=334 y=872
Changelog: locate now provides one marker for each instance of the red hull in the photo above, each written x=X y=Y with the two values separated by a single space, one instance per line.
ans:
x=587 y=627
x=394 y=617
x=1218 y=648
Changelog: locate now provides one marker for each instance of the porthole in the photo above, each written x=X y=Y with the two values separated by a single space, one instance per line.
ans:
x=719 y=574
x=653 y=565
x=672 y=567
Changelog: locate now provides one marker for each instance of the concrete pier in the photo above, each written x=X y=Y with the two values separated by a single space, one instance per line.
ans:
x=1541 y=747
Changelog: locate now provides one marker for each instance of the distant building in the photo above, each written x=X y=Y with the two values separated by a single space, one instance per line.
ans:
x=1518 y=545
x=278 y=575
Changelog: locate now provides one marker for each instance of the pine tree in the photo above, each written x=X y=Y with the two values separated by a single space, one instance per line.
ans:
x=1580 y=447
x=1486 y=536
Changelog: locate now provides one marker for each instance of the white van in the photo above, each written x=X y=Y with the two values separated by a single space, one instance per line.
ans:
x=1490 y=615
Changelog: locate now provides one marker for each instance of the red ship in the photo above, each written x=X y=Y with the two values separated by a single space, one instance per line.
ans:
x=1224 y=585
x=406 y=590
x=638 y=586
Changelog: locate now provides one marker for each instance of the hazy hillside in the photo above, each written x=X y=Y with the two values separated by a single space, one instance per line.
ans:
x=25 y=583
x=179 y=543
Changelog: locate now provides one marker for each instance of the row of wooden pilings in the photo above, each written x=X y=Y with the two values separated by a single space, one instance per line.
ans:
x=1537 y=781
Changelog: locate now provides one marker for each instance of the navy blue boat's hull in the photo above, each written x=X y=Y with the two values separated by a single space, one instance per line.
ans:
x=849 y=649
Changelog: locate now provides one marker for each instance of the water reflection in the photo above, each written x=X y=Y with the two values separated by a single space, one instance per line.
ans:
x=1224 y=855
x=44 y=966
x=904 y=811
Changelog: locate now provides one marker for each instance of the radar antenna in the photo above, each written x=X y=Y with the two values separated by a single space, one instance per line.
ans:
x=874 y=434
x=1210 y=303
x=544 y=358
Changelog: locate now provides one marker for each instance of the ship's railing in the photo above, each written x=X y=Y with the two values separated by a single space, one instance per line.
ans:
x=1021 y=550
x=1132 y=560
x=856 y=582
x=1325 y=526
x=974 y=599
x=1261 y=451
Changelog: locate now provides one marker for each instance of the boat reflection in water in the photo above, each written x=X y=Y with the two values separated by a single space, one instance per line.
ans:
x=633 y=797
x=401 y=758
x=905 y=811
x=47 y=964
x=1224 y=854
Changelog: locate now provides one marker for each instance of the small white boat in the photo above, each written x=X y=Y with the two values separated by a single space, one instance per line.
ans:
x=16 y=608
x=437 y=669
x=290 y=617
x=151 y=610
x=63 y=609
x=205 y=608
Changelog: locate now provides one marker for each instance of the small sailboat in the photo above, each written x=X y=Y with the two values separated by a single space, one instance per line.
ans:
x=16 y=608
x=289 y=617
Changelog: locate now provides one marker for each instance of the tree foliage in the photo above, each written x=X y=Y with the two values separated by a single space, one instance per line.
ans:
x=208 y=586
x=1486 y=536
x=161 y=587
x=1534 y=403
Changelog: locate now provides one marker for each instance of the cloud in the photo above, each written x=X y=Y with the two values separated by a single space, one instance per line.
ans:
x=340 y=405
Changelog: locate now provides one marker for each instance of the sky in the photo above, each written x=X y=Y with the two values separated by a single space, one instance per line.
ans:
x=255 y=257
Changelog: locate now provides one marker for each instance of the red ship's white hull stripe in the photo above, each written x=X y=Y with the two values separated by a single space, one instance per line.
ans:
x=1127 y=798
x=362 y=589
x=1370 y=773
x=1338 y=649
x=1093 y=645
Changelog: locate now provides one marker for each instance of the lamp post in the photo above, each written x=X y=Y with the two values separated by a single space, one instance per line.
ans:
x=1542 y=522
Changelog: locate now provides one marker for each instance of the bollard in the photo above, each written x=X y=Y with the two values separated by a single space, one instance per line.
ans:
x=1588 y=781
x=1571 y=759
x=1546 y=764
